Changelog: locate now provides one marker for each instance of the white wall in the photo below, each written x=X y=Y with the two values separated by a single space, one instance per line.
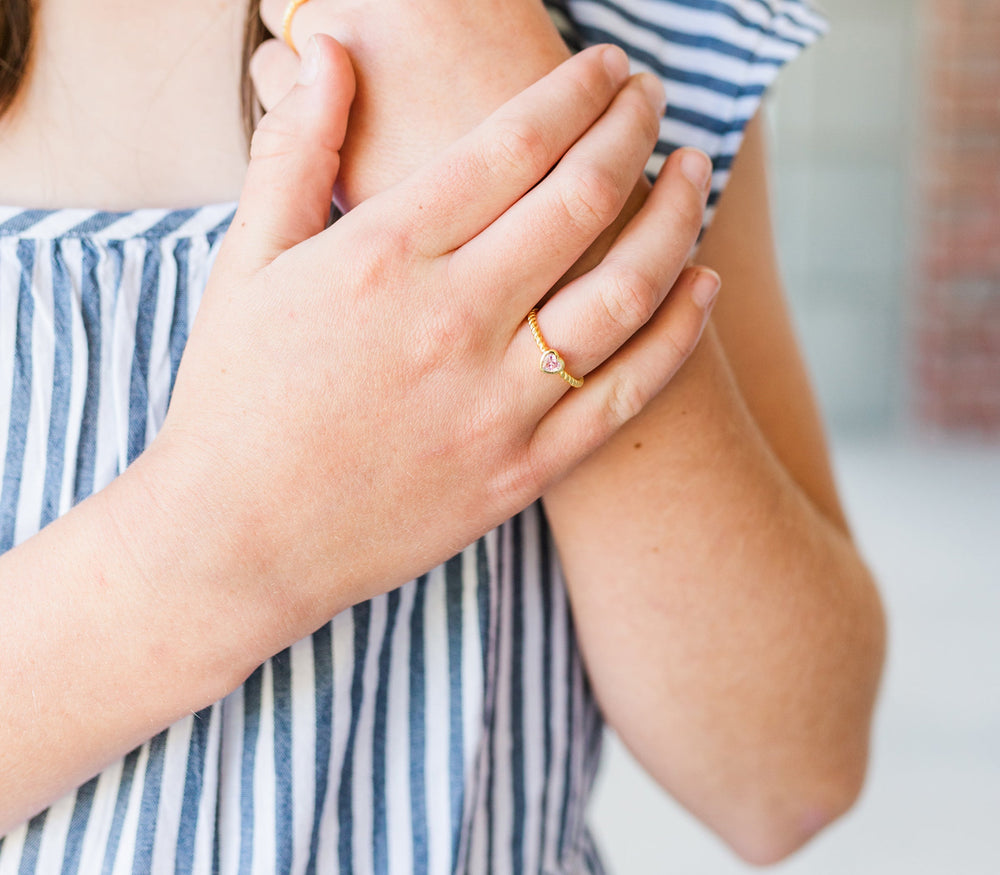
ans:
x=842 y=150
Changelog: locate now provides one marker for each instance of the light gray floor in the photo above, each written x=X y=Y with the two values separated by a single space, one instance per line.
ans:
x=927 y=516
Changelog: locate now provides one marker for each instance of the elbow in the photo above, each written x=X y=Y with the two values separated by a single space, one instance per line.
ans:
x=784 y=818
x=793 y=756
x=819 y=785
x=773 y=837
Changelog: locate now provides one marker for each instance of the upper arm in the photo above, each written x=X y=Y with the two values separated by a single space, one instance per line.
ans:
x=755 y=329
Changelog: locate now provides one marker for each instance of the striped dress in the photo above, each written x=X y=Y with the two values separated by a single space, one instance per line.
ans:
x=446 y=726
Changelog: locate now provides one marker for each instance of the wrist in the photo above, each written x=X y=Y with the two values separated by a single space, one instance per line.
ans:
x=120 y=618
x=184 y=544
x=400 y=118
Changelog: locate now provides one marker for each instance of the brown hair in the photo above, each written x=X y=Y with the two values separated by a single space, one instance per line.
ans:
x=15 y=47
x=17 y=17
x=254 y=33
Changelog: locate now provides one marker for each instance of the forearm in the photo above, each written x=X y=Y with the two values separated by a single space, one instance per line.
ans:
x=118 y=619
x=706 y=530
x=731 y=633
x=302 y=469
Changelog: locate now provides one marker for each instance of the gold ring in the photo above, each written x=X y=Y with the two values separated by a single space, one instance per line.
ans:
x=552 y=362
x=286 y=23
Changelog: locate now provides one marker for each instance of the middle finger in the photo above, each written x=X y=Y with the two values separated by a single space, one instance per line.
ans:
x=530 y=247
x=595 y=315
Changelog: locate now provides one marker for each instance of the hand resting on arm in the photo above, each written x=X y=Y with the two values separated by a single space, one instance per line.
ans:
x=732 y=634
x=354 y=405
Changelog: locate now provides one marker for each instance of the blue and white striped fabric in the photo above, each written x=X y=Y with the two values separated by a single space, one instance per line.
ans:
x=715 y=57
x=447 y=726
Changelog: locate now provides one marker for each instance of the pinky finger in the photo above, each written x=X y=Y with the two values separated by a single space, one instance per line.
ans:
x=586 y=418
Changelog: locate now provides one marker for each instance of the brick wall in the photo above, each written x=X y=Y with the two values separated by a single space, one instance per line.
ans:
x=955 y=365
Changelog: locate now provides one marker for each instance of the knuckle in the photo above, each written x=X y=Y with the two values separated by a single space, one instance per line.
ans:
x=491 y=441
x=282 y=132
x=629 y=299
x=444 y=333
x=679 y=348
x=593 y=87
x=374 y=260
x=592 y=197
x=385 y=244
x=650 y=114
x=685 y=212
x=488 y=421
x=457 y=326
x=519 y=146
x=624 y=401
x=402 y=238
x=522 y=479
x=689 y=212
x=649 y=121
x=273 y=138
x=269 y=129
x=639 y=117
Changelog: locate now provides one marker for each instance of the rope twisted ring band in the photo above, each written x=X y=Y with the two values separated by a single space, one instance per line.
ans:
x=552 y=362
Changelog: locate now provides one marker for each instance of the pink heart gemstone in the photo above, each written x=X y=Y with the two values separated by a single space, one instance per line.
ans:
x=552 y=362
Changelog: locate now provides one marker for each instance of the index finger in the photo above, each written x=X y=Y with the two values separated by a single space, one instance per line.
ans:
x=452 y=199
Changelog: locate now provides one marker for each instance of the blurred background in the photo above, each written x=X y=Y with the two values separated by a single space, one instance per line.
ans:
x=886 y=192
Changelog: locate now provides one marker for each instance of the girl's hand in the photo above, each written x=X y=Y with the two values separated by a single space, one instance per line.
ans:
x=358 y=403
x=427 y=73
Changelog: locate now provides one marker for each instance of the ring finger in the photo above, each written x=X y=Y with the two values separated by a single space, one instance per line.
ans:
x=588 y=320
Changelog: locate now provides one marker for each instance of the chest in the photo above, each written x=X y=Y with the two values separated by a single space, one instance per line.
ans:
x=123 y=111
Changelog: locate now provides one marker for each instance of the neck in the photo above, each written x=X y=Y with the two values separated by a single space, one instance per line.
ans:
x=127 y=107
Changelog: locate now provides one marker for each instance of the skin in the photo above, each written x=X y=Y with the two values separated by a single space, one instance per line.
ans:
x=733 y=636
x=719 y=601
x=225 y=542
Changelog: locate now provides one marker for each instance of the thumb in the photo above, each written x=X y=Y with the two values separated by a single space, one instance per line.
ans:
x=294 y=159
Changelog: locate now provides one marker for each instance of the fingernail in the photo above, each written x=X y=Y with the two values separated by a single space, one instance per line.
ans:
x=697 y=168
x=309 y=66
x=706 y=287
x=616 y=62
x=654 y=91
